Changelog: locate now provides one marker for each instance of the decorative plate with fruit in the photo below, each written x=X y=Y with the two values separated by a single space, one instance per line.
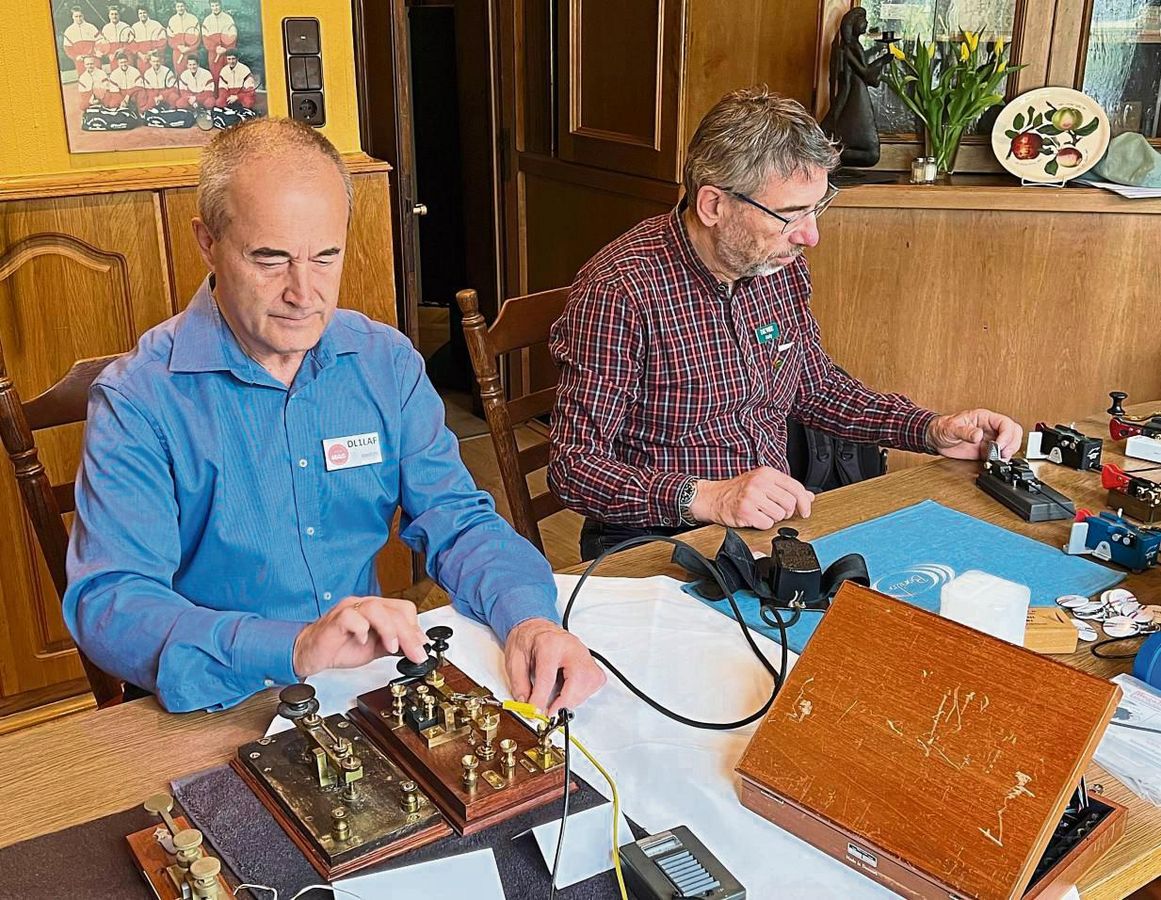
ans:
x=1051 y=134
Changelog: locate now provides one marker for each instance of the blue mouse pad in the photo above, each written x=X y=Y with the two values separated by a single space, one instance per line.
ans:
x=912 y=552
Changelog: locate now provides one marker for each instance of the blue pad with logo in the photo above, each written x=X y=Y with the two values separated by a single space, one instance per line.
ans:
x=912 y=552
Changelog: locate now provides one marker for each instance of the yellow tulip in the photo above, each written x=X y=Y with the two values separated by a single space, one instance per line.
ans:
x=963 y=52
x=896 y=52
x=931 y=50
x=999 y=46
x=973 y=39
x=1002 y=65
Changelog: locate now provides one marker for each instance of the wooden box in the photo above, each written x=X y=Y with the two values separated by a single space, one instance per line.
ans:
x=932 y=758
x=1050 y=630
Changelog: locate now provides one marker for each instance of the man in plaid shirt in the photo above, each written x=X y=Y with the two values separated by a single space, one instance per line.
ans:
x=688 y=341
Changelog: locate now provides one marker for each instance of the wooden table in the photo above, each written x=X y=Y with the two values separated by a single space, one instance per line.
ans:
x=73 y=770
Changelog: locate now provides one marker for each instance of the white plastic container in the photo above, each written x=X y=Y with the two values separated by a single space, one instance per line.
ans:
x=987 y=603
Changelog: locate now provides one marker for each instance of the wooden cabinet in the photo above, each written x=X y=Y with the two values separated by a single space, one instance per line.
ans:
x=87 y=266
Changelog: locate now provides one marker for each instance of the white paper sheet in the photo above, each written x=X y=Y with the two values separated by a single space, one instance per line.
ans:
x=588 y=843
x=452 y=878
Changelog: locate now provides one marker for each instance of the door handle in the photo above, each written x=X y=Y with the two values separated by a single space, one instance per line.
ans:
x=419 y=209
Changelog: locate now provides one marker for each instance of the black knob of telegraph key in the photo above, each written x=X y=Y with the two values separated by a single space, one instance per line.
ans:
x=438 y=636
x=297 y=700
x=791 y=533
x=409 y=669
x=1118 y=398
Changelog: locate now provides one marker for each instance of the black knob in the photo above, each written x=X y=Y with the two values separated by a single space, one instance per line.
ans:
x=409 y=669
x=1117 y=409
x=790 y=533
x=297 y=701
x=438 y=636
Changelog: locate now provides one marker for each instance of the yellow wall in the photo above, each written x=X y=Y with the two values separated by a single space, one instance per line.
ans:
x=32 y=127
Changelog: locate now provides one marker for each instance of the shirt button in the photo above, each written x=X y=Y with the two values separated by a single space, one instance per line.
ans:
x=326 y=595
x=310 y=531
x=302 y=463
x=269 y=682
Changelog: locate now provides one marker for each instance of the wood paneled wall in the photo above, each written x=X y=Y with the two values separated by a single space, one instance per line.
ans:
x=1037 y=312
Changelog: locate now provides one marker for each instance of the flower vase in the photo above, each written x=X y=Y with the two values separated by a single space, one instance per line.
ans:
x=942 y=145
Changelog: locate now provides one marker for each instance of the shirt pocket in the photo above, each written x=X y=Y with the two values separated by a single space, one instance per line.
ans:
x=780 y=361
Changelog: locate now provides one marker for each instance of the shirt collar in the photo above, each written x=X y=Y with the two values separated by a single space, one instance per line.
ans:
x=686 y=249
x=203 y=341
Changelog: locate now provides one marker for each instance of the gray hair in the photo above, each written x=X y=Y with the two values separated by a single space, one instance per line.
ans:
x=264 y=137
x=749 y=134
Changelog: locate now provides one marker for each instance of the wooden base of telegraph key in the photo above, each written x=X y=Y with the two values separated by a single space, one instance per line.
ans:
x=479 y=763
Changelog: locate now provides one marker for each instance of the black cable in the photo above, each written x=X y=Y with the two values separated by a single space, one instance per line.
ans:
x=776 y=674
x=1135 y=727
x=565 y=715
x=1108 y=641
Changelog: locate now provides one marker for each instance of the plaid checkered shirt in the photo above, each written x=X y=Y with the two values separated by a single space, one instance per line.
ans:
x=666 y=374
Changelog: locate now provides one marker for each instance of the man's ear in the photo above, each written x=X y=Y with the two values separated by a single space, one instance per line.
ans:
x=708 y=205
x=205 y=241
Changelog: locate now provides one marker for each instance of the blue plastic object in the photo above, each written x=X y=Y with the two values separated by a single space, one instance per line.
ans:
x=1147 y=666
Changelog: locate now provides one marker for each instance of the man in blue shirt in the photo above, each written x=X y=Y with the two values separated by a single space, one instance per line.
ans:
x=242 y=466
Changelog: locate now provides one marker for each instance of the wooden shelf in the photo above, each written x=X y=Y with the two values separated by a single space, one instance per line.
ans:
x=112 y=181
x=990 y=192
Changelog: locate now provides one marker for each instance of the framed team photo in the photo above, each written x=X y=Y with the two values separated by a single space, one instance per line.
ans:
x=159 y=73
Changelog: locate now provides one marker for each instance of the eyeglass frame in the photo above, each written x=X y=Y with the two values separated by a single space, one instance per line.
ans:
x=817 y=210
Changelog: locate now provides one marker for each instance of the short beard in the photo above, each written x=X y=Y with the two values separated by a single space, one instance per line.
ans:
x=739 y=252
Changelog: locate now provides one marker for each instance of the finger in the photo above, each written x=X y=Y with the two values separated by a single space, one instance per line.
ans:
x=777 y=498
x=395 y=630
x=546 y=666
x=754 y=516
x=582 y=679
x=352 y=621
x=802 y=497
x=1009 y=436
x=516 y=664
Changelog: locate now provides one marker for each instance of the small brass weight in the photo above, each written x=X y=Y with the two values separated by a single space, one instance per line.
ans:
x=194 y=874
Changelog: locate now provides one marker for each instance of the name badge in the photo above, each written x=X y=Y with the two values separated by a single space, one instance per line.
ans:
x=767 y=333
x=351 y=451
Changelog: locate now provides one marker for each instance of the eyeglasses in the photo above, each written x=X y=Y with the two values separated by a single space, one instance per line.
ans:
x=789 y=222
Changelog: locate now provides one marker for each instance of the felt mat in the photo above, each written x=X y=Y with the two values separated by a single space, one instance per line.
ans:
x=912 y=552
x=255 y=847
x=86 y=862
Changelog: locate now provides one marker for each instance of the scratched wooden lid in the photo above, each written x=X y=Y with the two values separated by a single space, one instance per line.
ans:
x=951 y=750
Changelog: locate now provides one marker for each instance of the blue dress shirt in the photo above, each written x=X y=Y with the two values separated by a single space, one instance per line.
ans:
x=208 y=530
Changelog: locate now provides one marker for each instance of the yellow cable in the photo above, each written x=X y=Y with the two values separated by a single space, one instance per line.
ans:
x=531 y=712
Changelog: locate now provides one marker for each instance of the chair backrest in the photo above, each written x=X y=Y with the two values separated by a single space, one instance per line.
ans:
x=523 y=322
x=64 y=403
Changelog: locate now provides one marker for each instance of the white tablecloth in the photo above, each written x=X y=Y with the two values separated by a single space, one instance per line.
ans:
x=689 y=658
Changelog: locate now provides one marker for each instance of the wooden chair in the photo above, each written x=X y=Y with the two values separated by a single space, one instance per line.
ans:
x=64 y=403
x=523 y=322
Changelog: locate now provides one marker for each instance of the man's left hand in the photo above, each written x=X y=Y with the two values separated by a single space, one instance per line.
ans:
x=538 y=654
x=966 y=435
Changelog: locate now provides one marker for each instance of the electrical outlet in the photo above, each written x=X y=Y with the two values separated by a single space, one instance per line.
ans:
x=308 y=107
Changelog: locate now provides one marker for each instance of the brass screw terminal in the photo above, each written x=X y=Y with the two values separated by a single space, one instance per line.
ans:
x=470 y=764
x=410 y=797
x=508 y=748
x=204 y=874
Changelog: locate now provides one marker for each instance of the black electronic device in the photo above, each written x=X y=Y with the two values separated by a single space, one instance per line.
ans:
x=793 y=569
x=673 y=864
x=1065 y=446
x=1014 y=484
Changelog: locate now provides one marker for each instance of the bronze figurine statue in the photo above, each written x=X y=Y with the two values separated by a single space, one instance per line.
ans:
x=851 y=118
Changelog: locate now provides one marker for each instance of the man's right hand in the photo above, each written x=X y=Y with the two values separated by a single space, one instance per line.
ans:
x=357 y=630
x=759 y=498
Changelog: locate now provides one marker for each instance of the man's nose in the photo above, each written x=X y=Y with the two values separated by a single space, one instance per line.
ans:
x=298 y=284
x=805 y=233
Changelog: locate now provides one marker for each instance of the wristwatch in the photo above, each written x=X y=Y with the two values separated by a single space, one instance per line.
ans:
x=685 y=498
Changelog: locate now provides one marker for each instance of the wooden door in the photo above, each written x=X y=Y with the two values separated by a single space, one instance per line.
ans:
x=79 y=277
x=619 y=74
